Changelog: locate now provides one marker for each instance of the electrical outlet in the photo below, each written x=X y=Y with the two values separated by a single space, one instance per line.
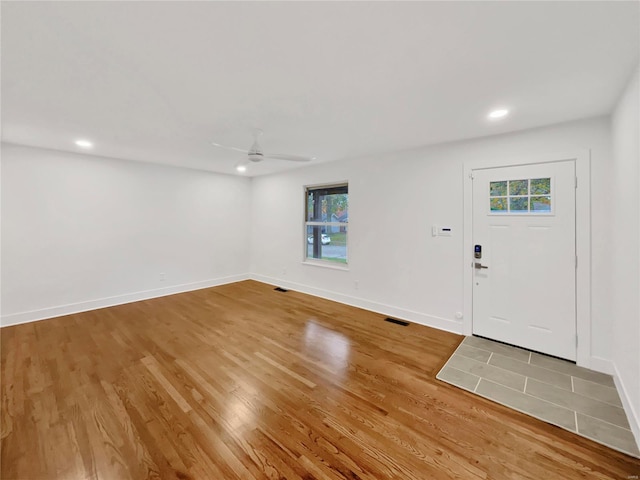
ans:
x=356 y=284
x=284 y=270
x=162 y=277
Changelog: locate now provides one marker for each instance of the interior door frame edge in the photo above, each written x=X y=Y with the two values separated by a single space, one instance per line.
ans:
x=582 y=159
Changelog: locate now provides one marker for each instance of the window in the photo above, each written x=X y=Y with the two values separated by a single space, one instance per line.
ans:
x=531 y=196
x=326 y=220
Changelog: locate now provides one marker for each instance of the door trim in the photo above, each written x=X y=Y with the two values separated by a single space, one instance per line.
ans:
x=582 y=159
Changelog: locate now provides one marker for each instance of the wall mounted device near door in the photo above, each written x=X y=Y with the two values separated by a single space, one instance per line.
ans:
x=440 y=231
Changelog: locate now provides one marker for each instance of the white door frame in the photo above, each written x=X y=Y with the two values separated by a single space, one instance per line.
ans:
x=582 y=160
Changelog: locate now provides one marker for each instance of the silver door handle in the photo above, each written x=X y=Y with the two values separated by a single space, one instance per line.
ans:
x=479 y=266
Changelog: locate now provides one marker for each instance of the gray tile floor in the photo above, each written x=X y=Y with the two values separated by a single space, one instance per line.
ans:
x=553 y=390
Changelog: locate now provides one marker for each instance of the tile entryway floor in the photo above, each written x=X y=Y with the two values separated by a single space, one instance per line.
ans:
x=553 y=390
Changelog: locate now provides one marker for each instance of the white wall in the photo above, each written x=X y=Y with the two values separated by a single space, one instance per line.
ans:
x=394 y=200
x=625 y=254
x=82 y=232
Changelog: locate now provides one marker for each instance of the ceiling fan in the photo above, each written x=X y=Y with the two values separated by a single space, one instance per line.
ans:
x=255 y=153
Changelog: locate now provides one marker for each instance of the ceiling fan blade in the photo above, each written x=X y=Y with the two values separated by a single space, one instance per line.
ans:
x=293 y=158
x=230 y=148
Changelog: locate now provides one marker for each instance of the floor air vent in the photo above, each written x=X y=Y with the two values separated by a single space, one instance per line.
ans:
x=280 y=289
x=397 y=322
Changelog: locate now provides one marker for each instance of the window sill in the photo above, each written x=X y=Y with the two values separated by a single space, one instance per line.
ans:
x=326 y=265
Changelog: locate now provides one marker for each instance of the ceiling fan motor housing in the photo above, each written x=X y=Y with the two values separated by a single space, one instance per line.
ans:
x=256 y=156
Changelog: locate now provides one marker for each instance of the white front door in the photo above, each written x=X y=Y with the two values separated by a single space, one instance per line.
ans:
x=524 y=283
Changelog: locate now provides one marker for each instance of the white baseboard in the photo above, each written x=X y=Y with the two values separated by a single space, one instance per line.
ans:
x=602 y=365
x=58 y=311
x=632 y=414
x=409 y=315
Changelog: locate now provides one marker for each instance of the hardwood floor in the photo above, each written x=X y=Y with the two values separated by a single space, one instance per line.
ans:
x=240 y=381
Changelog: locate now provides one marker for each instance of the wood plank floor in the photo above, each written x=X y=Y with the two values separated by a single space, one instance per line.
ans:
x=240 y=381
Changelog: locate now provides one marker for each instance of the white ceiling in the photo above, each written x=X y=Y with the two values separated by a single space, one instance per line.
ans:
x=157 y=81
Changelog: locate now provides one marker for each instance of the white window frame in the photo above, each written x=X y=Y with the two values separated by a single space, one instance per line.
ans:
x=540 y=213
x=318 y=261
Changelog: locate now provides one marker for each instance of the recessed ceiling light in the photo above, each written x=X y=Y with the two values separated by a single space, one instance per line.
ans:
x=241 y=168
x=84 y=143
x=500 y=113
